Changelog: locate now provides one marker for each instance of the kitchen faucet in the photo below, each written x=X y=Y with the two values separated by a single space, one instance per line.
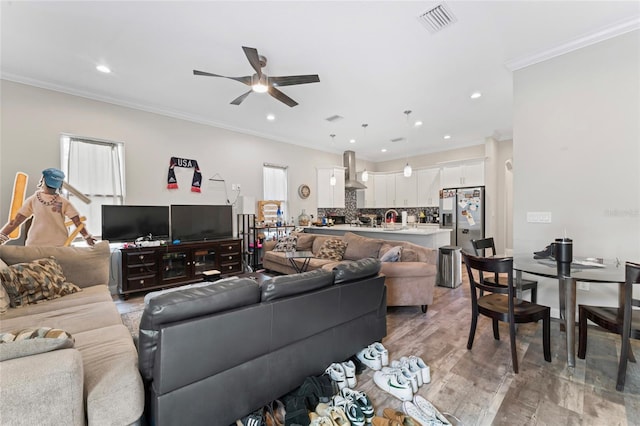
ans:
x=384 y=219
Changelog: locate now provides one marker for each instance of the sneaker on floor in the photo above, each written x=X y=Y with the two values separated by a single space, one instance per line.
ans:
x=400 y=417
x=383 y=421
x=429 y=409
x=404 y=371
x=384 y=353
x=337 y=374
x=417 y=362
x=350 y=373
x=418 y=415
x=370 y=358
x=362 y=401
x=413 y=369
x=394 y=383
x=317 y=420
x=336 y=414
x=351 y=410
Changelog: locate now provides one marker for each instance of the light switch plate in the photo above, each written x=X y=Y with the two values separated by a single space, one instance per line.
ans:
x=539 y=217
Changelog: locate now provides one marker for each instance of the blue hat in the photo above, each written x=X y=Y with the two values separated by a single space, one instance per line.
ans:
x=53 y=177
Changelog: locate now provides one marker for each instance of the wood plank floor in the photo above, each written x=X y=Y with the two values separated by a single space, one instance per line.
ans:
x=479 y=387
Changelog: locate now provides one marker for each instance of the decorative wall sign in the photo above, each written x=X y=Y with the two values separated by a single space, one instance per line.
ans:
x=304 y=191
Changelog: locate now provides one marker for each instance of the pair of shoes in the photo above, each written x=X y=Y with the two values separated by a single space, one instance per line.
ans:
x=274 y=413
x=374 y=356
x=384 y=421
x=399 y=417
x=351 y=410
x=254 y=419
x=424 y=412
x=361 y=400
x=394 y=381
x=336 y=415
x=343 y=374
x=416 y=367
x=317 y=420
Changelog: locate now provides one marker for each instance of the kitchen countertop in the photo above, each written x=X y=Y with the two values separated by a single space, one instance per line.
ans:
x=422 y=229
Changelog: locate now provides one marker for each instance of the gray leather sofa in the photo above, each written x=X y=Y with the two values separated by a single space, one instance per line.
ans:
x=213 y=354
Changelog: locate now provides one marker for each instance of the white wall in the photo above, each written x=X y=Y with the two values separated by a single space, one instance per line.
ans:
x=32 y=120
x=576 y=153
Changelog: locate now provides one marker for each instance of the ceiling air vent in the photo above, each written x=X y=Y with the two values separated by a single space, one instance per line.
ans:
x=334 y=118
x=400 y=139
x=437 y=19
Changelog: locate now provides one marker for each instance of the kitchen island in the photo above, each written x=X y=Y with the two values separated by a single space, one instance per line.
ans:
x=425 y=236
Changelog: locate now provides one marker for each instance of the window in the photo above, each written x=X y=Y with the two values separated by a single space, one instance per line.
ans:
x=96 y=169
x=275 y=186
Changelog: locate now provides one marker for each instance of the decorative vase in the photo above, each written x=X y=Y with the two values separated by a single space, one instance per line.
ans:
x=303 y=219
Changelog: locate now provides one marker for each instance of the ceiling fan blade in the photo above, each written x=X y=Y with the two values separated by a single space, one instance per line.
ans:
x=290 y=80
x=254 y=59
x=281 y=97
x=245 y=80
x=239 y=99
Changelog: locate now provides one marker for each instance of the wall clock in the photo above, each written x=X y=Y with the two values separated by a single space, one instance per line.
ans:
x=304 y=191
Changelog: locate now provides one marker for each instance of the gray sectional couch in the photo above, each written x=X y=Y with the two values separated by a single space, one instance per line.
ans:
x=212 y=354
x=410 y=281
x=97 y=381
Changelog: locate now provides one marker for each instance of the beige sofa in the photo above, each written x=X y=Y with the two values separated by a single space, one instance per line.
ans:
x=410 y=281
x=96 y=382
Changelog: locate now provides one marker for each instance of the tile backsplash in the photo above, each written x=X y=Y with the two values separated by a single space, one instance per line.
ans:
x=351 y=210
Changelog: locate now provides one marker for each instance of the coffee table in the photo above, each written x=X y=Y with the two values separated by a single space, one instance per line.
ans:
x=293 y=255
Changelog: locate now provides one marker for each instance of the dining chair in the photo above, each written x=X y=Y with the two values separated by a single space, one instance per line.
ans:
x=480 y=248
x=623 y=320
x=500 y=303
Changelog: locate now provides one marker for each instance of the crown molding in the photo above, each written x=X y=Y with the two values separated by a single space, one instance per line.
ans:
x=605 y=33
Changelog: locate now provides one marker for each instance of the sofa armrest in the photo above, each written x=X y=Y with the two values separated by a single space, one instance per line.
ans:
x=28 y=381
x=269 y=245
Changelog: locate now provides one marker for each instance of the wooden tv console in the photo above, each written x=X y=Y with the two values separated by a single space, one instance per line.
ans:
x=152 y=268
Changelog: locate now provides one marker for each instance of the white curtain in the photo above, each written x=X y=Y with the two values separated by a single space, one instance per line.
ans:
x=275 y=184
x=96 y=169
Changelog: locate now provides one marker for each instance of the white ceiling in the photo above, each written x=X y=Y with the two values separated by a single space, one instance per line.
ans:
x=374 y=58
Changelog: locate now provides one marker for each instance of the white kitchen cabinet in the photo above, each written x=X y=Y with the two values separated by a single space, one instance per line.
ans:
x=428 y=187
x=379 y=189
x=330 y=196
x=390 y=182
x=468 y=173
x=406 y=190
x=365 y=197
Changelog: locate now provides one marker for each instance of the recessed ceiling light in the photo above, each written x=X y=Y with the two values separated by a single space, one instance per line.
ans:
x=103 y=68
x=476 y=95
x=271 y=117
x=417 y=124
x=352 y=141
x=383 y=150
x=447 y=136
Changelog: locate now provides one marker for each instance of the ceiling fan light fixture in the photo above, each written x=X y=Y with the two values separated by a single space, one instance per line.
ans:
x=103 y=69
x=407 y=170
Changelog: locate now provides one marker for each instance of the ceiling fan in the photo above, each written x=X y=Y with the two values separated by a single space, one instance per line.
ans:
x=261 y=82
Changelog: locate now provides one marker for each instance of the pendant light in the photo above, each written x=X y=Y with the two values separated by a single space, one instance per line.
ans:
x=365 y=173
x=332 y=179
x=407 y=168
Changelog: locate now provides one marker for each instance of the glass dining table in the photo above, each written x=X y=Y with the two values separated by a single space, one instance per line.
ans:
x=609 y=271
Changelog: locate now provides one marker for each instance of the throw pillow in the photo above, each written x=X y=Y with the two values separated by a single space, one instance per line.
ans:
x=31 y=341
x=305 y=241
x=359 y=247
x=392 y=255
x=408 y=255
x=332 y=249
x=287 y=243
x=31 y=282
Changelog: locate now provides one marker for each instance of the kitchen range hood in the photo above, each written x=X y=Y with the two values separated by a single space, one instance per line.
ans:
x=349 y=163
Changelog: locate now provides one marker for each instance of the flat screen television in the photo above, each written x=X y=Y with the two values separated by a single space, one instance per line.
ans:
x=200 y=222
x=127 y=223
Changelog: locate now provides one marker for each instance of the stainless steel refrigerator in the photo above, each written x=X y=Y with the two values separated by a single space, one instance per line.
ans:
x=462 y=211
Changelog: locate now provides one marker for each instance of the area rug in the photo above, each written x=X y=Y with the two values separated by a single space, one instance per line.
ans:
x=132 y=321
